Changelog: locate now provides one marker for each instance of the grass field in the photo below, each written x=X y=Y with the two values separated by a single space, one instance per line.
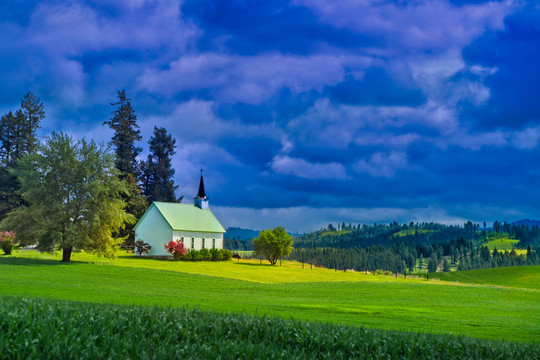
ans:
x=411 y=232
x=248 y=270
x=290 y=292
x=525 y=277
x=501 y=244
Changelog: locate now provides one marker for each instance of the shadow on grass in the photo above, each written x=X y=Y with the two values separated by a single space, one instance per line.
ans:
x=4 y=260
x=254 y=264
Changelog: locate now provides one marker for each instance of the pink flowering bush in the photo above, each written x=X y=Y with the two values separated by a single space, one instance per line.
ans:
x=7 y=241
x=176 y=249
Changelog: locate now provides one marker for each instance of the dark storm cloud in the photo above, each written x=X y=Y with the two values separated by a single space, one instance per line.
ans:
x=251 y=27
x=514 y=57
x=377 y=87
x=302 y=112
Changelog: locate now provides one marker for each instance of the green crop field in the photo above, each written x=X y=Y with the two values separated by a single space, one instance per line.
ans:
x=33 y=328
x=381 y=302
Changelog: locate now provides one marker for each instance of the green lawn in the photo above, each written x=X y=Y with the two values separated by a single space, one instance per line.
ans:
x=526 y=277
x=371 y=301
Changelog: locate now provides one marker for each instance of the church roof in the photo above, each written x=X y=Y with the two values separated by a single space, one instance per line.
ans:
x=185 y=217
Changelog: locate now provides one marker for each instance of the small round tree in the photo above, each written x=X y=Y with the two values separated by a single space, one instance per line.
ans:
x=273 y=244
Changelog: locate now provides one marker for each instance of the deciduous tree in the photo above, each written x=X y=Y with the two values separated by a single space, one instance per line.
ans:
x=273 y=244
x=73 y=193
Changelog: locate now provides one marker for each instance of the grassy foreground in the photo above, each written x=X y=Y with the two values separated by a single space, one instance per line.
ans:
x=392 y=304
x=31 y=328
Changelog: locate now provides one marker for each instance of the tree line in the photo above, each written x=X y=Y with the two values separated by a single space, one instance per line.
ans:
x=406 y=258
x=405 y=248
x=69 y=193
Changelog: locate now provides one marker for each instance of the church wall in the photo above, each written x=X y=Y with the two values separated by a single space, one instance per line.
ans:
x=197 y=238
x=154 y=230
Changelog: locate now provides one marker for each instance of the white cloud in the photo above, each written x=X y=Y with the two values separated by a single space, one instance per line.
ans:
x=286 y=165
x=527 y=138
x=253 y=79
x=415 y=25
x=381 y=164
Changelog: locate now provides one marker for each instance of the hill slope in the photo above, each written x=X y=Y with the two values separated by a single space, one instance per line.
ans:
x=409 y=305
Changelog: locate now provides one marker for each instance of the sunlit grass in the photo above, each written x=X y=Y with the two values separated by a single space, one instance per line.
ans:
x=248 y=270
x=526 y=277
x=372 y=301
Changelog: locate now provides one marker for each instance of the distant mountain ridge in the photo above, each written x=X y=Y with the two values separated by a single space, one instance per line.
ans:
x=235 y=233
x=529 y=223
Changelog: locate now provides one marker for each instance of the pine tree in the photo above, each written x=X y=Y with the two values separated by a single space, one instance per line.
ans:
x=126 y=132
x=33 y=112
x=158 y=177
x=17 y=138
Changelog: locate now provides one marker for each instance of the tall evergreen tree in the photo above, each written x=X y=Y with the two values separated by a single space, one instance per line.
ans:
x=126 y=132
x=17 y=138
x=158 y=179
x=33 y=112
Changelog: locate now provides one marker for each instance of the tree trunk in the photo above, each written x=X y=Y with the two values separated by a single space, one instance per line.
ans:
x=66 y=254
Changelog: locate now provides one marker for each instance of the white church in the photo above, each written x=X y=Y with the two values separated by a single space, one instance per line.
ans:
x=194 y=225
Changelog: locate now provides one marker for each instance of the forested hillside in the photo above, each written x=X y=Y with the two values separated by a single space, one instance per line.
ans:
x=410 y=247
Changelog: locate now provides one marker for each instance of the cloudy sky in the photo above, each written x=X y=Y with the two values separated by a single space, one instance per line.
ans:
x=303 y=112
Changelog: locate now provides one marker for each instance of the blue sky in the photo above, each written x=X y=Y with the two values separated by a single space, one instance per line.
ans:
x=303 y=112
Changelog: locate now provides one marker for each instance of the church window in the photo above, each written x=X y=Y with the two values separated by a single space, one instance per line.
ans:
x=193 y=243
x=203 y=243
x=213 y=243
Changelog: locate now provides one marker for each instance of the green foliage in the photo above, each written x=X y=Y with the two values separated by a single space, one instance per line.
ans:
x=158 y=173
x=226 y=254
x=31 y=328
x=205 y=255
x=273 y=244
x=215 y=255
x=73 y=194
x=17 y=138
x=432 y=265
x=126 y=132
x=208 y=255
x=446 y=266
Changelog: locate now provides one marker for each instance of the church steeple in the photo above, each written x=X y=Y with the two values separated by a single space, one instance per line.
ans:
x=201 y=201
x=201 y=193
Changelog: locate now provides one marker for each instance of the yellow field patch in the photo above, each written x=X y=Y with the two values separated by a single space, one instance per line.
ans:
x=247 y=270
